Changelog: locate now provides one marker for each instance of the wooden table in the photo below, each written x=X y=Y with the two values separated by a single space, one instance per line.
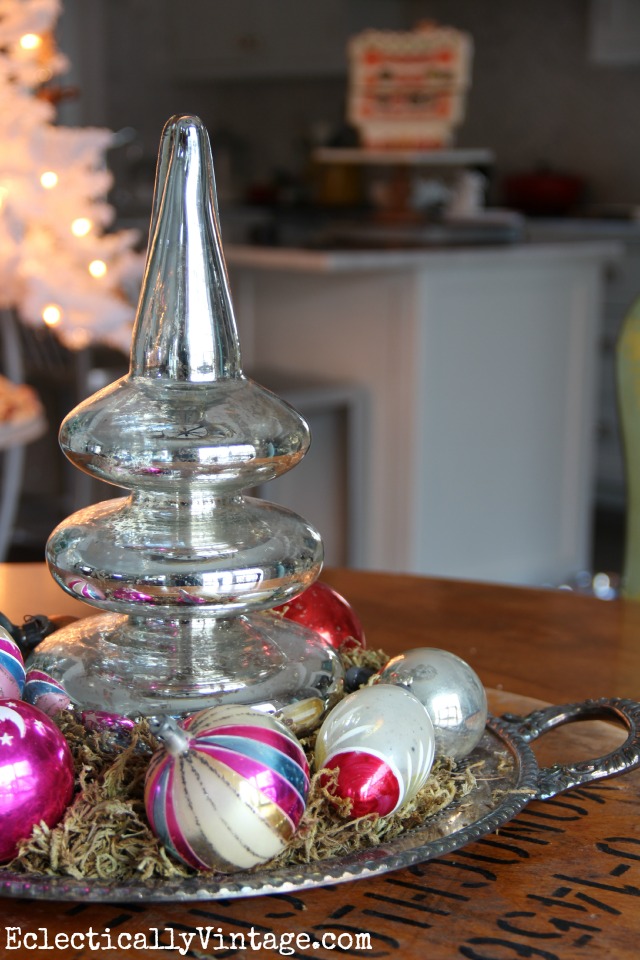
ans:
x=561 y=881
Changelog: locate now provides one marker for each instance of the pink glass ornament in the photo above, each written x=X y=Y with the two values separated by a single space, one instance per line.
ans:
x=36 y=773
x=45 y=693
x=99 y=721
x=134 y=596
x=228 y=788
x=115 y=730
x=12 y=673
x=323 y=609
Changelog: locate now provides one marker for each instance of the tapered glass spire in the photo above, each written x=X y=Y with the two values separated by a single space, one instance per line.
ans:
x=185 y=328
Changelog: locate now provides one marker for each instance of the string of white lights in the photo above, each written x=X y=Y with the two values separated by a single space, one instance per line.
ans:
x=59 y=262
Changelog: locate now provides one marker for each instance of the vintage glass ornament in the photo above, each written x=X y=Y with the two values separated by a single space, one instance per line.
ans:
x=227 y=789
x=36 y=773
x=186 y=567
x=115 y=731
x=450 y=690
x=324 y=610
x=12 y=672
x=45 y=693
x=100 y=722
x=382 y=742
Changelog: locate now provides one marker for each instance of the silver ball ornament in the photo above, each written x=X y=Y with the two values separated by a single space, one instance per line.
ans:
x=450 y=690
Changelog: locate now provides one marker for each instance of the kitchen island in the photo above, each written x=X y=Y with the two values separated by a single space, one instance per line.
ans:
x=478 y=369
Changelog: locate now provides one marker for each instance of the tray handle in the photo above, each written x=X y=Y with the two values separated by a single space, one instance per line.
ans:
x=559 y=777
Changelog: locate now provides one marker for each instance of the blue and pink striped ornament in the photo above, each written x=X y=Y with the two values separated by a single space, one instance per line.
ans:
x=227 y=789
x=12 y=672
x=45 y=693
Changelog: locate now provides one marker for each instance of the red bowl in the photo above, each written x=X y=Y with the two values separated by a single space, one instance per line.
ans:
x=544 y=194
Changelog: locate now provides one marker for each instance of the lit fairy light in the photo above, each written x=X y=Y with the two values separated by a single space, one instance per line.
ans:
x=78 y=339
x=49 y=179
x=81 y=226
x=97 y=268
x=30 y=41
x=52 y=315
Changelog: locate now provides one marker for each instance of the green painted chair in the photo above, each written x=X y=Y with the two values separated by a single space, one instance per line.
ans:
x=628 y=386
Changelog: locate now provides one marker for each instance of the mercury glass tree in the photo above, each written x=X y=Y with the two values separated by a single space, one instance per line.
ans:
x=187 y=565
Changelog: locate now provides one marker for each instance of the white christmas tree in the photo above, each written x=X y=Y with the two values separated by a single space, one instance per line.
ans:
x=58 y=265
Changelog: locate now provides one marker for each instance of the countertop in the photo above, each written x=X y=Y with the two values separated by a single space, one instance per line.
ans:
x=348 y=261
x=570 y=229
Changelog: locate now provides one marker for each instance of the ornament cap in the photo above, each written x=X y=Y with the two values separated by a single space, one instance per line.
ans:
x=175 y=739
x=185 y=327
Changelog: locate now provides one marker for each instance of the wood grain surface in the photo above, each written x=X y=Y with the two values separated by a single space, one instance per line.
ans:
x=560 y=881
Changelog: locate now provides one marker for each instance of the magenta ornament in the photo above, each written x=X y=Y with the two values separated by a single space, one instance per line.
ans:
x=227 y=789
x=36 y=773
x=115 y=731
x=99 y=721
x=12 y=672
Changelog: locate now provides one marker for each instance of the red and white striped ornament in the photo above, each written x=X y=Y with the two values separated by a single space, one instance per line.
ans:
x=381 y=741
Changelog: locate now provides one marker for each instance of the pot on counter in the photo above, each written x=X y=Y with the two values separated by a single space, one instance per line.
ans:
x=544 y=192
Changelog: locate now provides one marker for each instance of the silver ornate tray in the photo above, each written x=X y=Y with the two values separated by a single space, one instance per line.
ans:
x=510 y=777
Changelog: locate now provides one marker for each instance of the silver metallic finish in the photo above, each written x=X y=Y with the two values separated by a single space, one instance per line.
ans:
x=560 y=777
x=185 y=328
x=510 y=779
x=450 y=690
x=186 y=552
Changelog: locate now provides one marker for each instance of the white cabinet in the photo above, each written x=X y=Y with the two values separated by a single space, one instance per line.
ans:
x=480 y=369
